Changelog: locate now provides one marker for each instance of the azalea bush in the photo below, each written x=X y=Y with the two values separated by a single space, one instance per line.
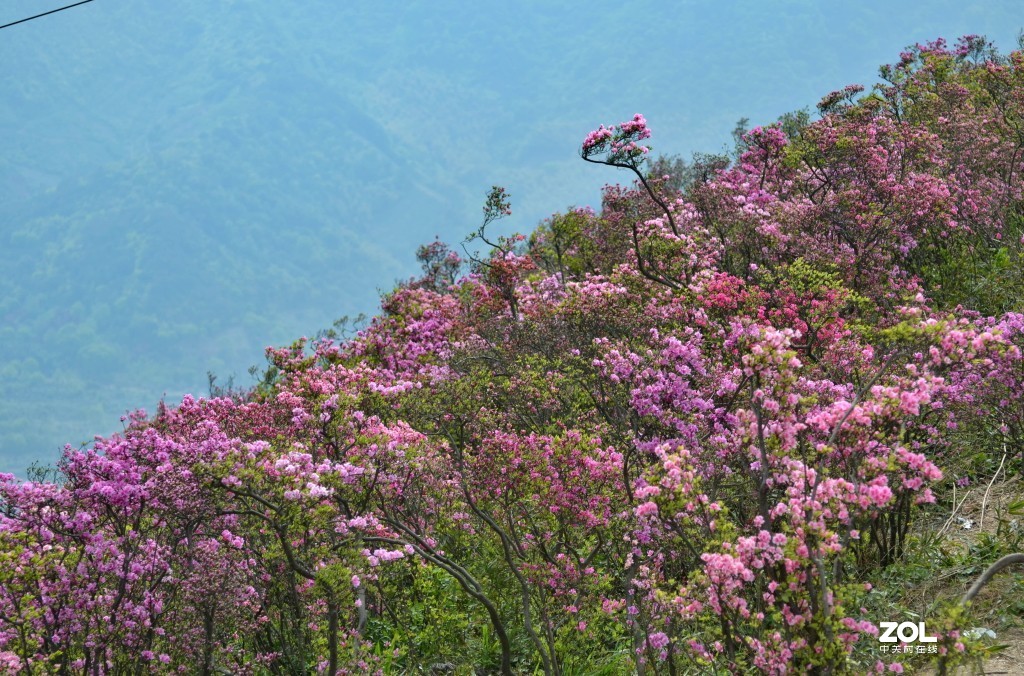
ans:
x=686 y=433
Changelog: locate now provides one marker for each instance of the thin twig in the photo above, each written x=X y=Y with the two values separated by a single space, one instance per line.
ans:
x=956 y=508
x=981 y=519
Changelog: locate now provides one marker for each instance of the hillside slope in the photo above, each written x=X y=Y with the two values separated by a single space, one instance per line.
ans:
x=181 y=187
x=712 y=427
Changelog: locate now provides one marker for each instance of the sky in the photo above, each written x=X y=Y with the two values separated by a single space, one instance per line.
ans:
x=186 y=183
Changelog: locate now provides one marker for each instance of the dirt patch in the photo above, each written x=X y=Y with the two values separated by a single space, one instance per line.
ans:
x=1008 y=661
x=981 y=514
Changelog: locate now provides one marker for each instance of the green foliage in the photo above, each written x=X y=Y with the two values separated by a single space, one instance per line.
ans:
x=979 y=274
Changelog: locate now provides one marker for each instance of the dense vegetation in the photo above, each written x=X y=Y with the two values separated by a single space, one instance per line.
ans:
x=690 y=433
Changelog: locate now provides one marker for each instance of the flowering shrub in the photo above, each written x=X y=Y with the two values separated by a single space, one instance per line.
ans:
x=684 y=434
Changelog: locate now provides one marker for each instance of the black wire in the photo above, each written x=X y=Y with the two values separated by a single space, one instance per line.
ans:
x=52 y=11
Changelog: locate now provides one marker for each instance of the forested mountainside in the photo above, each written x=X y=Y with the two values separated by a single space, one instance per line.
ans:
x=714 y=427
x=184 y=184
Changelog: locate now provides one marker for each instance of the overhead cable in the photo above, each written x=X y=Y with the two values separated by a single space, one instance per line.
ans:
x=52 y=11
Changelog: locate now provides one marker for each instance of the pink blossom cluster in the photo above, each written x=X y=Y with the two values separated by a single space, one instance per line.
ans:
x=620 y=143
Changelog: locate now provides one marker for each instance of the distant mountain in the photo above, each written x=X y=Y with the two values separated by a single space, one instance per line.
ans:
x=183 y=184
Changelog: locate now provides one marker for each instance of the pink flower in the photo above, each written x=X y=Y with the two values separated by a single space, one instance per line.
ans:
x=646 y=509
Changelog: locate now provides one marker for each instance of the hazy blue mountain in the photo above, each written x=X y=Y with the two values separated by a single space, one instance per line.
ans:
x=183 y=184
